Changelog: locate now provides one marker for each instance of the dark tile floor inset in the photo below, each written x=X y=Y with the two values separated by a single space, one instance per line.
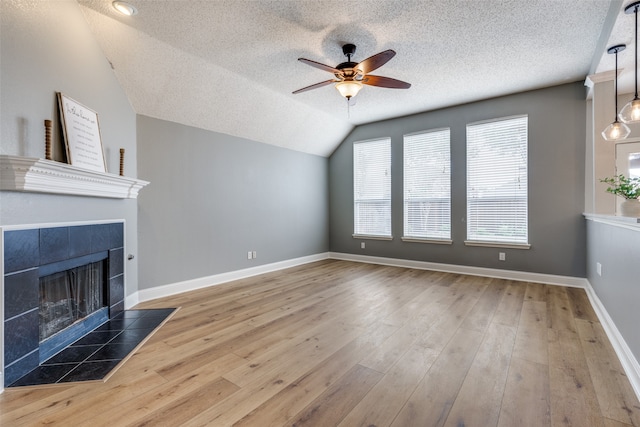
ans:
x=93 y=356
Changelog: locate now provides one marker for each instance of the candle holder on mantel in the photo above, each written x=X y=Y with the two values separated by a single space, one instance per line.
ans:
x=47 y=140
x=122 y=162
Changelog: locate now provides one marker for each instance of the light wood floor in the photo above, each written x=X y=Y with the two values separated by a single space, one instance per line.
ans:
x=337 y=343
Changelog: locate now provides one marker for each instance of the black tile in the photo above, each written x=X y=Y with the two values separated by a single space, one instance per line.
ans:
x=87 y=371
x=130 y=314
x=131 y=336
x=21 y=336
x=54 y=244
x=73 y=354
x=147 y=322
x=116 y=262
x=49 y=374
x=21 y=367
x=116 y=289
x=115 y=325
x=160 y=312
x=21 y=292
x=113 y=351
x=100 y=239
x=79 y=241
x=116 y=308
x=96 y=337
x=21 y=250
x=116 y=231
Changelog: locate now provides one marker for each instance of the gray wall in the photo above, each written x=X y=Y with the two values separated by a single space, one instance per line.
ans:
x=617 y=250
x=556 y=184
x=46 y=48
x=213 y=197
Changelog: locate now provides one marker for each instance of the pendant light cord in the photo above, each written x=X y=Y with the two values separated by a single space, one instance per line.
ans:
x=636 y=48
x=615 y=118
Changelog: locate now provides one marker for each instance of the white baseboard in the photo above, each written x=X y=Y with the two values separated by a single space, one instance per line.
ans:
x=625 y=355
x=216 y=279
x=548 y=279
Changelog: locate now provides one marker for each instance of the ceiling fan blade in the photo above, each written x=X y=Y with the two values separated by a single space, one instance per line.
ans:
x=315 y=86
x=375 y=61
x=319 y=65
x=385 y=82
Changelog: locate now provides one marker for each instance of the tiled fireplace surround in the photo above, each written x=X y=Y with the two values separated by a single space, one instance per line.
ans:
x=28 y=250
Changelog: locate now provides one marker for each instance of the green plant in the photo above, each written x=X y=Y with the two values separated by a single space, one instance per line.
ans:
x=620 y=185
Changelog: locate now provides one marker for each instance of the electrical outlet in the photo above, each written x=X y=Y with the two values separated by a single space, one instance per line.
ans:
x=502 y=256
x=599 y=268
x=249 y=255
x=361 y=245
x=255 y=254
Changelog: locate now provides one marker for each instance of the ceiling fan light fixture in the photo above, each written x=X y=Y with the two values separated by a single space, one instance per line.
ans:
x=124 y=8
x=349 y=88
x=631 y=111
x=616 y=130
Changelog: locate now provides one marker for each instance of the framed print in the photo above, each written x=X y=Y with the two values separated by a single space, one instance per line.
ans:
x=81 y=132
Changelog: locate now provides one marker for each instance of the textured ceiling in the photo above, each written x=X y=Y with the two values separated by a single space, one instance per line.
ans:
x=230 y=65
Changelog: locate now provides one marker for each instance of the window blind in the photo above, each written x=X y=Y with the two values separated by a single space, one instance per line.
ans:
x=427 y=185
x=497 y=181
x=372 y=188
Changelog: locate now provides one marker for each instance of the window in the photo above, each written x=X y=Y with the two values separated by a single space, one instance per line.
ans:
x=372 y=188
x=427 y=185
x=497 y=181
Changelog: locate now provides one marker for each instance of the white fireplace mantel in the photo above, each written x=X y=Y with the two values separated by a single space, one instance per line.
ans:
x=48 y=176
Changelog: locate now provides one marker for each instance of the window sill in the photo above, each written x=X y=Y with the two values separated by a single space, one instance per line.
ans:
x=369 y=237
x=427 y=240
x=505 y=245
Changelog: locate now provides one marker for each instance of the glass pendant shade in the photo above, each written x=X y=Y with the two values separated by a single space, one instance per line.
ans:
x=616 y=131
x=630 y=113
x=349 y=88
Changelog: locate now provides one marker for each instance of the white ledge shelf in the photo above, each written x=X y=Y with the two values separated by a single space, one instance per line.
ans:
x=627 y=222
x=48 y=176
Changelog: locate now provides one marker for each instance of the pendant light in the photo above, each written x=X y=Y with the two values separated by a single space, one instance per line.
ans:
x=631 y=111
x=616 y=130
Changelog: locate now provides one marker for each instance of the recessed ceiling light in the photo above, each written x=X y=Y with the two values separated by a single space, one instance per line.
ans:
x=124 y=8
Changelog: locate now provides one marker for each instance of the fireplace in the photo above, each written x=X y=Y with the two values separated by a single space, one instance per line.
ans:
x=60 y=283
x=70 y=296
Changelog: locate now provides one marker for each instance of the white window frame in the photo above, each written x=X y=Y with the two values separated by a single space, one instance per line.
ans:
x=503 y=202
x=372 y=190
x=427 y=182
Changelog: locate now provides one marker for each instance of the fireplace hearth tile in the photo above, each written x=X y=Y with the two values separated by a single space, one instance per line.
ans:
x=96 y=337
x=113 y=351
x=45 y=374
x=79 y=240
x=73 y=354
x=90 y=371
x=131 y=335
x=146 y=323
x=99 y=352
x=116 y=325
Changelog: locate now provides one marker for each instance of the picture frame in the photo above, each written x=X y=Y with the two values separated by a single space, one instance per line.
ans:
x=81 y=132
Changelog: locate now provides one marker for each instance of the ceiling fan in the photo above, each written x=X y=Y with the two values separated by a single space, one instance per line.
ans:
x=350 y=76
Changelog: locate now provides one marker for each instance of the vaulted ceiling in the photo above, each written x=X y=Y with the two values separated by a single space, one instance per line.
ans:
x=231 y=66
